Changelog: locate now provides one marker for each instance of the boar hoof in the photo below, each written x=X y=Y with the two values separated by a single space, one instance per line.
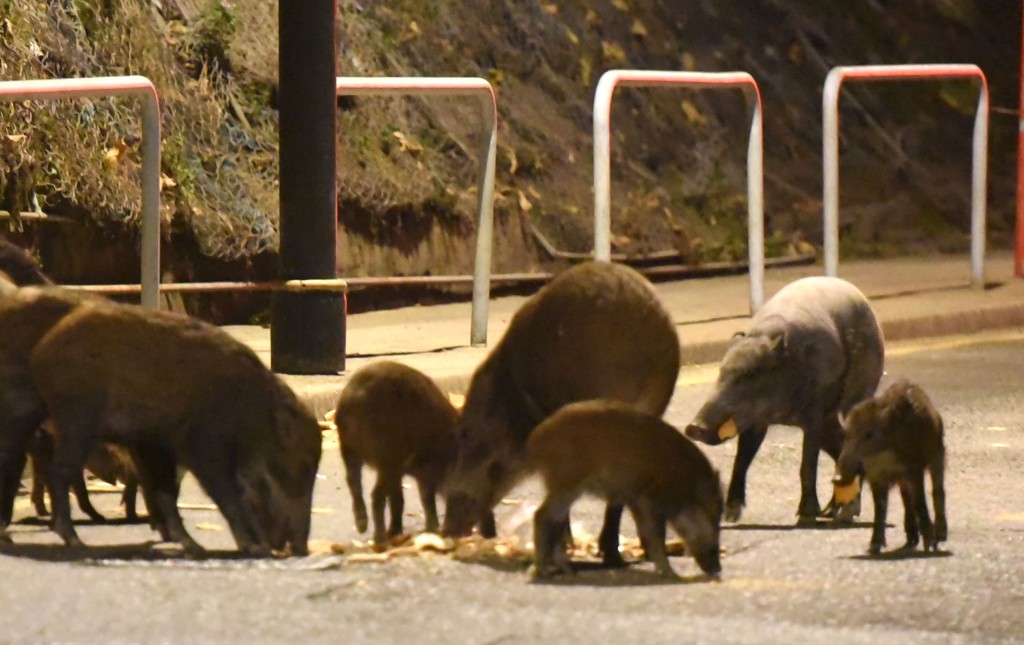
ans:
x=875 y=548
x=807 y=521
x=733 y=510
x=5 y=538
x=613 y=560
x=668 y=573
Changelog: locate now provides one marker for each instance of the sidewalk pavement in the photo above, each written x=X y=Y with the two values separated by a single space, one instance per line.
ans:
x=913 y=298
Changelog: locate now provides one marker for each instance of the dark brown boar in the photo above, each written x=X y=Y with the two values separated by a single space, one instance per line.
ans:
x=892 y=439
x=814 y=349
x=596 y=331
x=627 y=457
x=177 y=391
x=395 y=419
x=26 y=315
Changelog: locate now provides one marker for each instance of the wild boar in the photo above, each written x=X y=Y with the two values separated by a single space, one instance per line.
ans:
x=107 y=462
x=596 y=331
x=627 y=457
x=175 y=390
x=892 y=439
x=394 y=418
x=26 y=315
x=813 y=350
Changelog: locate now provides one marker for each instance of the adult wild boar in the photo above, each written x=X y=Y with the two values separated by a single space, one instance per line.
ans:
x=596 y=331
x=813 y=350
x=395 y=419
x=26 y=315
x=614 y=451
x=892 y=439
x=175 y=390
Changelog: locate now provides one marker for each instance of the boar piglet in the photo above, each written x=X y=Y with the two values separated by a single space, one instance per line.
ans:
x=109 y=463
x=177 y=391
x=893 y=439
x=812 y=350
x=26 y=315
x=395 y=419
x=597 y=331
x=627 y=457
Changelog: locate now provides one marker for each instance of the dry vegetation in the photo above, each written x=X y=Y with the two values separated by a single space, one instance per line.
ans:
x=407 y=166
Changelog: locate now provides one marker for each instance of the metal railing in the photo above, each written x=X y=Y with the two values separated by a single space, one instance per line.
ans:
x=100 y=87
x=352 y=85
x=830 y=143
x=606 y=86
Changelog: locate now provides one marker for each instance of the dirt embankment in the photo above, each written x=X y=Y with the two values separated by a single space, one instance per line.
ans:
x=407 y=167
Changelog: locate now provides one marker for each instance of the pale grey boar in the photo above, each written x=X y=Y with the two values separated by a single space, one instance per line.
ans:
x=627 y=457
x=892 y=439
x=596 y=331
x=813 y=350
x=395 y=419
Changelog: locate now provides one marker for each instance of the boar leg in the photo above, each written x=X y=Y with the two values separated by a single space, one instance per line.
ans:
x=428 y=498
x=128 y=499
x=608 y=541
x=354 y=477
x=549 y=525
x=911 y=526
x=387 y=488
x=12 y=464
x=920 y=501
x=158 y=474
x=880 y=495
x=650 y=526
x=68 y=462
x=749 y=443
x=82 y=495
x=40 y=454
x=937 y=472
x=488 y=527
x=809 y=510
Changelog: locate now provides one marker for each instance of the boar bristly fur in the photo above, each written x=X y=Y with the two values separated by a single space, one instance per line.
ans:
x=892 y=440
x=395 y=419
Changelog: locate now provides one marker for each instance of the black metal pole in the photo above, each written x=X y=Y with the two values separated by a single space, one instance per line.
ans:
x=307 y=333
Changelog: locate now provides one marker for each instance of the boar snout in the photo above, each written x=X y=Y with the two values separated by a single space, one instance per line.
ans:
x=720 y=435
x=460 y=514
x=709 y=561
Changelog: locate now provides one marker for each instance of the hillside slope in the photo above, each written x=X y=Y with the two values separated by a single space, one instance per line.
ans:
x=407 y=166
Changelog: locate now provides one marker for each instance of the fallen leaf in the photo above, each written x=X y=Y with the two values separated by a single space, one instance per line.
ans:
x=433 y=542
x=524 y=204
x=689 y=62
x=185 y=506
x=208 y=526
x=613 y=53
x=322 y=511
x=166 y=182
x=15 y=138
x=369 y=557
x=621 y=5
x=638 y=29
x=573 y=38
x=592 y=18
x=693 y=115
x=408 y=145
x=551 y=9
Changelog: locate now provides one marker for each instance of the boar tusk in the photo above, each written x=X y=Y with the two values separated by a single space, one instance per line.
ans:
x=728 y=430
x=848 y=493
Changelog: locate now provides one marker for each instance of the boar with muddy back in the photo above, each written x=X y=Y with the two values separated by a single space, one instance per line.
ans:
x=597 y=331
x=177 y=391
x=395 y=419
x=892 y=439
x=813 y=350
x=26 y=315
x=613 y=451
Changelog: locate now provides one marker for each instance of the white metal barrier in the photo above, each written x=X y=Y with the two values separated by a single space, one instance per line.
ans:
x=606 y=86
x=830 y=143
x=352 y=85
x=99 y=87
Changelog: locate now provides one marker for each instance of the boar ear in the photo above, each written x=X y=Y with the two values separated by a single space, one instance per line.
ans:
x=779 y=342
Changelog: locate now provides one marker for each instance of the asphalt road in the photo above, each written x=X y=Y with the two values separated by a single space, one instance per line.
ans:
x=780 y=584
